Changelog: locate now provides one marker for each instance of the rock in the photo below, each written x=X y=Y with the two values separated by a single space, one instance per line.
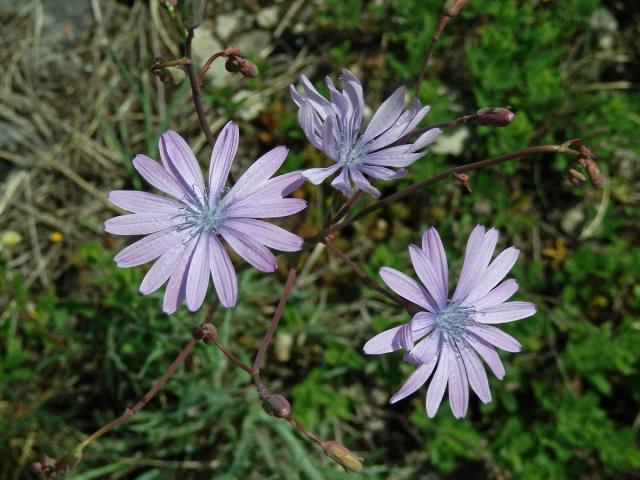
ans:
x=227 y=25
x=253 y=42
x=452 y=144
x=268 y=17
x=204 y=45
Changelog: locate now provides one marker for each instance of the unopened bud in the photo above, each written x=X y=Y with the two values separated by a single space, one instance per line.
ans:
x=575 y=177
x=277 y=406
x=343 y=456
x=232 y=65
x=232 y=52
x=594 y=174
x=248 y=69
x=495 y=116
x=452 y=7
x=205 y=332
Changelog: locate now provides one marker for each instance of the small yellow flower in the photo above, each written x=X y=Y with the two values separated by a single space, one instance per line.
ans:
x=56 y=237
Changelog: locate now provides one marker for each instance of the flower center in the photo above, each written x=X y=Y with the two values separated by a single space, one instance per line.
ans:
x=203 y=217
x=349 y=148
x=452 y=321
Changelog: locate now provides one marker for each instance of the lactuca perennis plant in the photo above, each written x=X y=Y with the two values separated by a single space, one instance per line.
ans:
x=447 y=338
x=450 y=336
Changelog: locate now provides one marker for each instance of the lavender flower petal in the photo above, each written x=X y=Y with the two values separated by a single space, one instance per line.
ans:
x=270 y=208
x=407 y=288
x=458 y=386
x=362 y=183
x=222 y=273
x=498 y=295
x=428 y=276
x=143 y=202
x=386 y=115
x=140 y=223
x=270 y=235
x=176 y=290
x=253 y=252
x=224 y=151
x=385 y=342
x=433 y=248
x=496 y=271
x=157 y=176
x=415 y=381
x=179 y=160
x=438 y=383
x=319 y=175
x=258 y=173
x=476 y=374
x=488 y=354
x=496 y=337
x=148 y=248
x=505 y=312
x=198 y=277
x=160 y=271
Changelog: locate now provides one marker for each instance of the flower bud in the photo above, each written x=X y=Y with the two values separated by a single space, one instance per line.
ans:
x=343 y=456
x=232 y=65
x=277 y=406
x=495 y=116
x=576 y=178
x=594 y=174
x=248 y=69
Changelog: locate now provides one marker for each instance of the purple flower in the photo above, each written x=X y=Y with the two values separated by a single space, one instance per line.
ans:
x=334 y=127
x=453 y=335
x=183 y=234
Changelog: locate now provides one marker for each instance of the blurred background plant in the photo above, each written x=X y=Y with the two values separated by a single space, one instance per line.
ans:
x=78 y=343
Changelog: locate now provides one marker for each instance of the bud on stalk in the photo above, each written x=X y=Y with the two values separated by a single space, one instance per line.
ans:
x=494 y=116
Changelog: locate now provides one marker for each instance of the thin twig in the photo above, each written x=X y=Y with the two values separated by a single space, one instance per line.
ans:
x=266 y=340
x=195 y=90
x=449 y=11
x=444 y=175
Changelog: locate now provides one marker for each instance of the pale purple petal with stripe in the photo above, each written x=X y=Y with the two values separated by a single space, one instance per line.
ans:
x=422 y=323
x=258 y=173
x=438 y=383
x=428 y=276
x=176 y=290
x=385 y=342
x=141 y=223
x=386 y=115
x=415 y=381
x=270 y=208
x=495 y=337
x=198 y=277
x=407 y=288
x=341 y=182
x=497 y=270
x=362 y=183
x=253 y=252
x=319 y=175
x=162 y=269
x=488 y=354
x=505 y=312
x=458 y=386
x=432 y=246
x=427 y=348
x=157 y=176
x=224 y=151
x=222 y=273
x=500 y=294
x=179 y=160
x=382 y=173
x=148 y=248
x=476 y=374
x=143 y=202
x=270 y=235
